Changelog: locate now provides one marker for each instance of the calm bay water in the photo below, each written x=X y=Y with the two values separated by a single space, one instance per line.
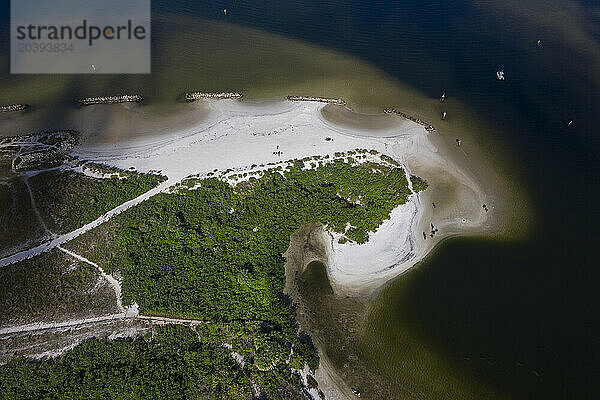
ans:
x=519 y=318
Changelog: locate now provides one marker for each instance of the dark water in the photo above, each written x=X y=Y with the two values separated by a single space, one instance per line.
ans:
x=525 y=314
x=520 y=317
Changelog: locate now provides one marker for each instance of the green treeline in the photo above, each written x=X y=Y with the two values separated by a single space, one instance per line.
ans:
x=67 y=199
x=215 y=253
x=52 y=286
x=18 y=226
x=172 y=365
x=418 y=184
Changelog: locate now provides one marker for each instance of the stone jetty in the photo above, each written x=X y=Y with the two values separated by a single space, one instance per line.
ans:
x=428 y=127
x=13 y=107
x=336 y=102
x=87 y=101
x=193 y=96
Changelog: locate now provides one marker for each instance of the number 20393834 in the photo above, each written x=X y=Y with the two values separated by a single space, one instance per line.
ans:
x=45 y=47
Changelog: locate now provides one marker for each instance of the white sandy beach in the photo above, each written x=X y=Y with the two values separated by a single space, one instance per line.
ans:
x=236 y=135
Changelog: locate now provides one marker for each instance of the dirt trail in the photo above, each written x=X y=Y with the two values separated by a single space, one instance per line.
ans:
x=77 y=323
x=35 y=208
x=113 y=282
x=61 y=239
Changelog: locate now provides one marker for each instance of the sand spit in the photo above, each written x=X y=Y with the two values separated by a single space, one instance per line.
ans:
x=239 y=136
x=236 y=135
x=344 y=117
x=242 y=136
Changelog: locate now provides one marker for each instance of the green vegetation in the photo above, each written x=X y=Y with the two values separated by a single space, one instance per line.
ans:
x=215 y=253
x=418 y=184
x=304 y=353
x=68 y=199
x=269 y=351
x=390 y=160
x=265 y=353
x=65 y=199
x=52 y=286
x=17 y=219
x=212 y=254
x=173 y=365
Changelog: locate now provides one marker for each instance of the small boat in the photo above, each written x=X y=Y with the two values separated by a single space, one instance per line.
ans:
x=444 y=114
x=570 y=123
x=443 y=97
x=356 y=392
x=500 y=75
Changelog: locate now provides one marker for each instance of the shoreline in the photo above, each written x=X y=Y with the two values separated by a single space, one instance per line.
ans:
x=235 y=135
x=294 y=128
x=398 y=244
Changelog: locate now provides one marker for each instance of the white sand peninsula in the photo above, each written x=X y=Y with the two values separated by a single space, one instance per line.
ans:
x=238 y=135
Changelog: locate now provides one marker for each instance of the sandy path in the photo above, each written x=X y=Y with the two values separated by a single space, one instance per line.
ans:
x=237 y=135
x=113 y=282
x=35 y=208
x=75 y=323
x=61 y=239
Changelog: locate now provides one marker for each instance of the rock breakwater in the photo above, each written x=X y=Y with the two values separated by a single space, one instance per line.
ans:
x=13 y=107
x=336 y=102
x=428 y=127
x=193 y=96
x=87 y=101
